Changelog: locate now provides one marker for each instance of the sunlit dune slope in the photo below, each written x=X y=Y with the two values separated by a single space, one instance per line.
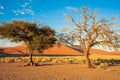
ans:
x=14 y=50
x=102 y=52
x=56 y=49
x=53 y=50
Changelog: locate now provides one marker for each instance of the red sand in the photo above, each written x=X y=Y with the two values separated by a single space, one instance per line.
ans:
x=10 y=71
x=54 y=50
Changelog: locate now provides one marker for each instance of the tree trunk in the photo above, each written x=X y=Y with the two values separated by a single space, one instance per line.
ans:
x=88 y=61
x=31 y=62
x=31 y=59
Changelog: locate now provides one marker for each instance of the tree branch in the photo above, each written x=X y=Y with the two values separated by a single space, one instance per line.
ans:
x=100 y=42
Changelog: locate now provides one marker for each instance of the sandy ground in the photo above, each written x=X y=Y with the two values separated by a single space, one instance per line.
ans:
x=11 y=71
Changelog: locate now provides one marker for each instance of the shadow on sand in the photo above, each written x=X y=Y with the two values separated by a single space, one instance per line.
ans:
x=2 y=54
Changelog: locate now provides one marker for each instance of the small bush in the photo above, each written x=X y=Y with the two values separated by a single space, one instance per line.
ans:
x=103 y=65
x=96 y=60
x=9 y=60
x=70 y=62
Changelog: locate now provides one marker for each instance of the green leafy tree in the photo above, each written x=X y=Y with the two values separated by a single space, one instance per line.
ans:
x=35 y=37
x=89 y=31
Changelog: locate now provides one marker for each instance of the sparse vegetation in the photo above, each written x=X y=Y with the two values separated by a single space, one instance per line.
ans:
x=37 y=38
x=90 y=31
x=98 y=61
x=83 y=44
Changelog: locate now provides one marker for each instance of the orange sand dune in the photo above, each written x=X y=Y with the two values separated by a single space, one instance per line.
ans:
x=61 y=50
x=102 y=52
x=13 y=50
x=54 y=50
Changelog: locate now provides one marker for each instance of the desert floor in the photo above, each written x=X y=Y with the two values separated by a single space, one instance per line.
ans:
x=11 y=71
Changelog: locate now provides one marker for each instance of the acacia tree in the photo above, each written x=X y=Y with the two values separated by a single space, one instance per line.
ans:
x=89 y=31
x=35 y=37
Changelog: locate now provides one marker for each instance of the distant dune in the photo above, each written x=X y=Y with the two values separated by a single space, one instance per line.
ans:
x=14 y=50
x=100 y=52
x=56 y=49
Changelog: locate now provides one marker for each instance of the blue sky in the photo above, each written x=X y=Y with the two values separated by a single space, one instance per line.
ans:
x=51 y=12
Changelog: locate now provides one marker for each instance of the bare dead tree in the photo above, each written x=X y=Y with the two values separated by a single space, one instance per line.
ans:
x=91 y=31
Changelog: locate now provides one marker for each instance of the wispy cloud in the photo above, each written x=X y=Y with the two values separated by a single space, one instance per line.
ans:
x=26 y=8
x=15 y=12
x=1 y=13
x=24 y=11
x=1 y=7
x=29 y=11
x=30 y=0
x=71 y=8
x=25 y=4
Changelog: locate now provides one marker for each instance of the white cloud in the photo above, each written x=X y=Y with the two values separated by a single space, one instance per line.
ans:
x=25 y=4
x=71 y=8
x=16 y=14
x=14 y=11
x=1 y=7
x=24 y=11
x=19 y=12
x=26 y=8
x=29 y=11
x=30 y=0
